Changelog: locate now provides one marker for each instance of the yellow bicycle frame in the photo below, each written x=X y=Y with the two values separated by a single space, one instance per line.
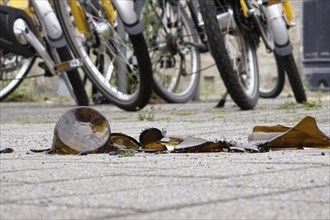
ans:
x=288 y=11
x=286 y=7
x=244 y=8
x=110 y=11
x=80 y=17
x=22 y=4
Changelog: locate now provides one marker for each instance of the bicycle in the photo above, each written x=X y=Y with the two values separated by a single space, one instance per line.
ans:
x=31 y=29
x=172 y=36
x=234 y=29
x=107 y=37
x=174 y=47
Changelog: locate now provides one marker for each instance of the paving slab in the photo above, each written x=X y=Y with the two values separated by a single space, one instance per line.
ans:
x=289 y=184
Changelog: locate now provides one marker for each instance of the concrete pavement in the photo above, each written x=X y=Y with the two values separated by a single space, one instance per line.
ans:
x=291 y=184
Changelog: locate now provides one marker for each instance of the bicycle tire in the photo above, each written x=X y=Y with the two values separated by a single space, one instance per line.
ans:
x=276 y=87
x=176 y=72
x=139 y=75
x=76 y=82
x=291 y=69
x=9 y=82
x=245 y=99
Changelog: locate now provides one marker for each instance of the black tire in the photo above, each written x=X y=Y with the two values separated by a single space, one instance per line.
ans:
x=145 y=80
x=221 y=56
x=142 y=97
x=277 y=88
x=75 y=79
x=291 y=69
x=146 y=83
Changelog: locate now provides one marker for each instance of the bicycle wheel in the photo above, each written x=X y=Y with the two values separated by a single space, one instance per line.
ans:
x=291 y=69
x=76 y=83
x=118 y=64
x=234 y=52
x=171 y=37
x=12 y=72
x=271 y=74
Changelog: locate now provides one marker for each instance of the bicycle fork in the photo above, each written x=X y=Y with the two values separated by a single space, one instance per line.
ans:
x=275 y=19
x=283 y=45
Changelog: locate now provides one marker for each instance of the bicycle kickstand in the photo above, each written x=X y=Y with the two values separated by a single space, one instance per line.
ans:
x=222 y=101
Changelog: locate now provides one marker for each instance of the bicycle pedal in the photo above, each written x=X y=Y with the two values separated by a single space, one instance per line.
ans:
x=68 y=65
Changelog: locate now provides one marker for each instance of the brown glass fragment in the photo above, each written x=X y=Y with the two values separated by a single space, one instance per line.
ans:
x=150 y=135
x=261 y=134
x=125 y=141
x=6 y=150
x=81 y=130
x=198 y=145
x=276 y=128
x=40 y=150
x=153 y=147
x=305 y=134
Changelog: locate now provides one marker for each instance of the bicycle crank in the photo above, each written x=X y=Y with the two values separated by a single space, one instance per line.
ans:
x=25 y=36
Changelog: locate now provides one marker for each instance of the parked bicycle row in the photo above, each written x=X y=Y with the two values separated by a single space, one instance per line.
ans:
x=128 y=48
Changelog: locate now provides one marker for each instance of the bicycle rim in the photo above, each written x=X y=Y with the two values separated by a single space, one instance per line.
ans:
x=13 y=70
x=243 y=59
x=271 y=76
x=175 y=61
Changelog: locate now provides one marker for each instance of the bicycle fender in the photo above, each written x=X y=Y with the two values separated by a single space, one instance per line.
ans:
x=51 y=23
x=283 y=45
x=127 y=14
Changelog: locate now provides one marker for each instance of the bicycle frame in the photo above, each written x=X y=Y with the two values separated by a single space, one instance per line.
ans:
x=125 y=9
x=25 y=34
